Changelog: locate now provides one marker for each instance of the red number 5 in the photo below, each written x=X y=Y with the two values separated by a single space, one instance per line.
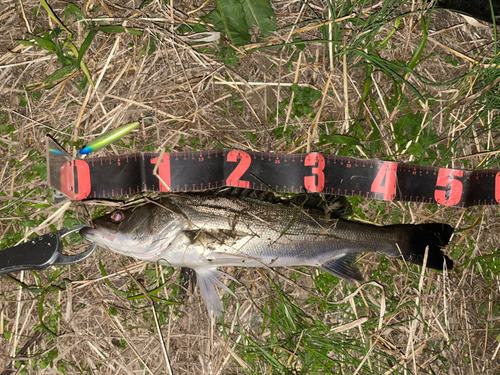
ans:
x=453 y=187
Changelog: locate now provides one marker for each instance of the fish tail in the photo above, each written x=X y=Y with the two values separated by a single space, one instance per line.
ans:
x=418 y=237
x=404 y=241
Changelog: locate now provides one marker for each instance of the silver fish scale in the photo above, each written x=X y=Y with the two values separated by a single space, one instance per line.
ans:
x=267 y=233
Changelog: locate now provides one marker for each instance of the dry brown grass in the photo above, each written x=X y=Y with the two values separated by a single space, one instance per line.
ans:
x=191 y=96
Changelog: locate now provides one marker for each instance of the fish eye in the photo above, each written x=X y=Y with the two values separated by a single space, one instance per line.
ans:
x=117 y=216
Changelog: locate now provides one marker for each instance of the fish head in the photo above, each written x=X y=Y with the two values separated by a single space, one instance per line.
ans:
x=144 y=232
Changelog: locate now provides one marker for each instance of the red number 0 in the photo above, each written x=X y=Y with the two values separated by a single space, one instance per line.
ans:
x=453 y=187
x=68 y=179
x=315 y=183
x=385 y=181
x=163 y=171
x=241 y=168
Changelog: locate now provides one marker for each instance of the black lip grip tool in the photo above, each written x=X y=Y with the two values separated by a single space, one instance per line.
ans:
x=41 y=253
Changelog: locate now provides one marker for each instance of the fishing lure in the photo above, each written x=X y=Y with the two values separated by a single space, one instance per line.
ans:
x=108 y=138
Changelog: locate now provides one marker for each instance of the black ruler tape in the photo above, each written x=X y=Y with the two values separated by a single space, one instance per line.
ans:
x=115 y=176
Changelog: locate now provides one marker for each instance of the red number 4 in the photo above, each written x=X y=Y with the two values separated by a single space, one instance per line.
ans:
x=385 y=181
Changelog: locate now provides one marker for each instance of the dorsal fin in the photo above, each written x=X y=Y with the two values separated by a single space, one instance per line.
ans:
x=332 y=205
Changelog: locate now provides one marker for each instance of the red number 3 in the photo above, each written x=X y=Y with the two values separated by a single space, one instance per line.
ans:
x=315 y=183
x=453 y=187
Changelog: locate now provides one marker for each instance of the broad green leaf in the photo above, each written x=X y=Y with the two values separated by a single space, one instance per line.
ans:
x=63 y=72
x=415 y=149
x=344 y=139
x=260 y=13
x=134 y=32
x=229 y=19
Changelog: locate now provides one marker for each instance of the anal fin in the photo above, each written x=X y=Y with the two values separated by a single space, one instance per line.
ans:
x=343 y=268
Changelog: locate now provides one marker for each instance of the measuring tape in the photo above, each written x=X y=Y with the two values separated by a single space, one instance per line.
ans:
x=115 y=176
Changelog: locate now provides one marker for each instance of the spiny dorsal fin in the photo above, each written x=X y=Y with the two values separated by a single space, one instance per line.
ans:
x=332 y=205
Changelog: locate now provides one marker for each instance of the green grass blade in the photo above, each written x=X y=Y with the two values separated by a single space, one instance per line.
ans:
x=52 y=15
x=104 y=274
x=420 y=48
x=26 y=43
x=112 y=29
x=85 y=45
x=40 y=314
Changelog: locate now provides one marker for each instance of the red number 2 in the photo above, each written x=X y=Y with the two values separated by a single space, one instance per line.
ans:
x=453 y=187
x=241 y=168
x=315 y=183
x=385 y=181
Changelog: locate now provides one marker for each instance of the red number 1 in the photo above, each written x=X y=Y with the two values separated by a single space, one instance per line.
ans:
x=163 y=171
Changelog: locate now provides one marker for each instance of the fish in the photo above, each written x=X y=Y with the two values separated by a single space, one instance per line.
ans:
x=205 y=231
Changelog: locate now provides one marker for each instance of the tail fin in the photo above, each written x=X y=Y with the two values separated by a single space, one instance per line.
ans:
x=418 y=237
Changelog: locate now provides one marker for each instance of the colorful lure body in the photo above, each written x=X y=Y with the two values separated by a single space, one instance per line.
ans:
x=108 y=138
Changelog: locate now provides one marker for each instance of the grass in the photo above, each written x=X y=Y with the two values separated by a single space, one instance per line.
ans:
x=397 y=82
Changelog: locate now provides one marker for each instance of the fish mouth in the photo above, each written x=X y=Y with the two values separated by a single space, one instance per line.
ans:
x=110 y=240
x=89 y=233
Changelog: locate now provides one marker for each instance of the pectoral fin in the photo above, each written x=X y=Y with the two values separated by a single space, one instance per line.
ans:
x=207 y=279
x=343 y=268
